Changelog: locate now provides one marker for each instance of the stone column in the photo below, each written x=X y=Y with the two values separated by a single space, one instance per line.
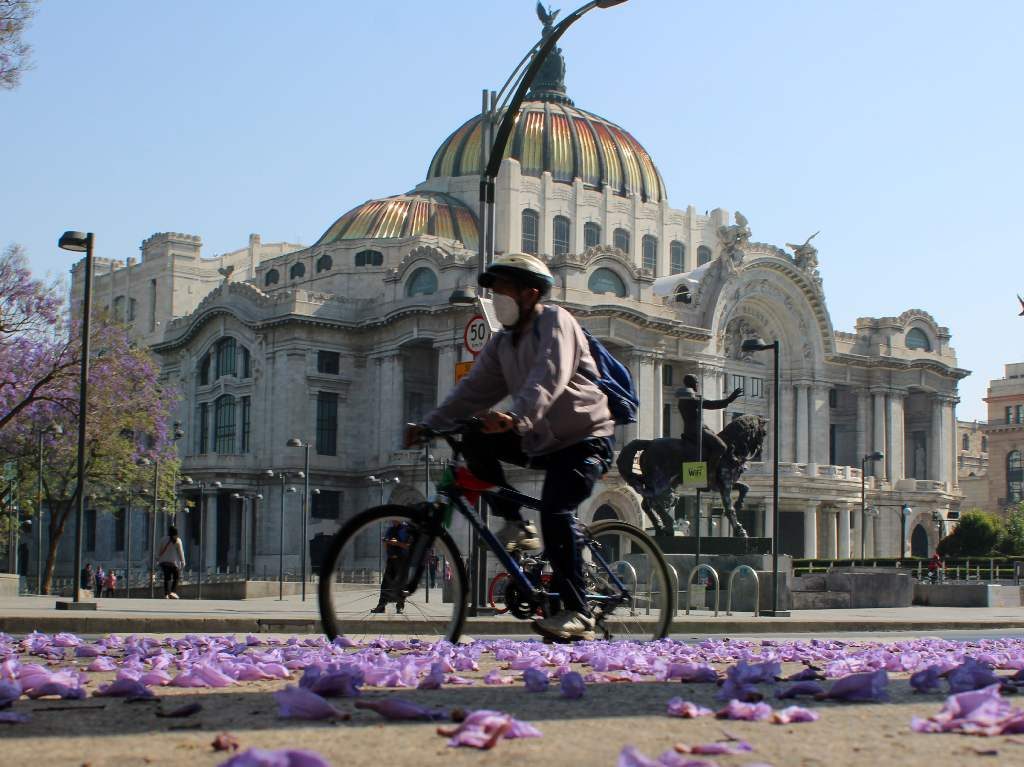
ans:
x=878 y=434
x=711 y=387
x=787 y=412
x=657 y=398
x=819 y=425
x=802 y=454
x=811 y=530
x=843 y=524
x=447 y=356
x=392 y=404
x=863 y=423
x=954 y=452
x=829 y=534
x=935 y=454
x=947 y=433
x=895 y=437
x=769 y=530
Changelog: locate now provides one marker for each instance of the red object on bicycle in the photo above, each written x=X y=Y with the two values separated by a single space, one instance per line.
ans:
x=470 y=484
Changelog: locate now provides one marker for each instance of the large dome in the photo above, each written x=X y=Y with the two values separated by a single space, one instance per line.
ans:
x=406 y=215
x=552 y=135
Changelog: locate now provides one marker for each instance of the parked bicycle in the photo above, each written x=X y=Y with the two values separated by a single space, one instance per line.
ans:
x=639 y=608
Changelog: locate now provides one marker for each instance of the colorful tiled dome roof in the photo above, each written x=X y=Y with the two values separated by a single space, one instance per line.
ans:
x=406 y=215
x=552 y=135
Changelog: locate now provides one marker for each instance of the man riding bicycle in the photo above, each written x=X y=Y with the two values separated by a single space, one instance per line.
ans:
x=557 y=421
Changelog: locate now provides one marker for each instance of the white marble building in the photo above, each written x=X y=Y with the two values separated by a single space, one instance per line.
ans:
x=342 y=342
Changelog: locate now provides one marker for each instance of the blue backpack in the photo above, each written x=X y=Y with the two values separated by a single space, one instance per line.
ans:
x=614 y=380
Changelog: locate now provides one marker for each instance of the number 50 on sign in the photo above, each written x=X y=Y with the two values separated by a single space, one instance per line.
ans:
x=476 y=334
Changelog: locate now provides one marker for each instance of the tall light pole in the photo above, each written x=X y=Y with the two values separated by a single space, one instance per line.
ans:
x=381 y=481
x=55 y=430
x=758 y=345
x=77 y=242
x=875 y=456
x=216 y=485
x=296 y=442
x=905 y=514
x=283 y=476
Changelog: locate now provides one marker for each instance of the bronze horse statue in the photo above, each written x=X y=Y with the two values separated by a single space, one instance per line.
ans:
x=661 y=466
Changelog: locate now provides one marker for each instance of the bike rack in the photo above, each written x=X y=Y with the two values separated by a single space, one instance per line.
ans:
x=757 y=588
x=689 y=583
x=632 y=570
x=675 y=589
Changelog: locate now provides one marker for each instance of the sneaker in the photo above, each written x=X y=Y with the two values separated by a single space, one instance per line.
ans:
x=378 y=609
x=567 y=624
x=172 y=595
x=519 y=536
x=399 y=610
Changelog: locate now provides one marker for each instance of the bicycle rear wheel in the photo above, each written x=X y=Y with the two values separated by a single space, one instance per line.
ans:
x=496 y=593
x=360 y=575
x=619 y=549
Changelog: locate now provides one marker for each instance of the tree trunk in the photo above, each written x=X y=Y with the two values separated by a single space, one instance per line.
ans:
x=57 y=524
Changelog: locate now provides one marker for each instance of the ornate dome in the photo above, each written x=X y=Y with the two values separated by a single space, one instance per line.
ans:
x=551 y=134
x=406 y=215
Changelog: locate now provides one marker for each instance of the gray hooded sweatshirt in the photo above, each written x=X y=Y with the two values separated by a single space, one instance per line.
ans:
x=554 y=405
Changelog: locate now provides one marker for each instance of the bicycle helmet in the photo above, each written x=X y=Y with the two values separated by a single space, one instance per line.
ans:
x=523 y=269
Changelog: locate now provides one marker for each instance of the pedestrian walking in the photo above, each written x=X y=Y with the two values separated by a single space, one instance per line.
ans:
x=87 y=578
x=111 y=583
x=397 y=540
x=101 y=578
x=171 y=558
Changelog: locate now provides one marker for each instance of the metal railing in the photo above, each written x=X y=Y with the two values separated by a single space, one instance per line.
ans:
x=636 y=585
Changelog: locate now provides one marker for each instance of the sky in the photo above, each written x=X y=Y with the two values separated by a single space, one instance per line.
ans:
x=893 y=128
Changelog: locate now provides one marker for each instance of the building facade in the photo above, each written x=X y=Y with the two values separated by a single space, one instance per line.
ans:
x=972 y=464
x=1005 y=432
x=342 y=342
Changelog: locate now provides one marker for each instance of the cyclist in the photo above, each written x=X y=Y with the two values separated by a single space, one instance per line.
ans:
x=557 y=420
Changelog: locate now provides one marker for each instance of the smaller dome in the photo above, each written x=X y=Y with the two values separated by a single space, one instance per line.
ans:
x=406 y=215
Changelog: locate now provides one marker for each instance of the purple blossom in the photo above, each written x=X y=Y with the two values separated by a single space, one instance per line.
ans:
x=750 y=712
x=496 y=677
x=794 y=714
x=926 y=680
x=10 y=691
x=483 y=729
x=860 y=688
x=258 y=757
x=685 y=709
x=807 y=674
x=124 y=688
x=434 y=679
x=572 y=685
x=631 y=757
x=976 y=712
x=298 y=703
x=971 y=675
x=536 y=680
x=721 y=748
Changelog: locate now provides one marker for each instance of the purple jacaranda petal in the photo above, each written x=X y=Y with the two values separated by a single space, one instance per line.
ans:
x=971 y=675
x=158 y=678
x=465 y=663
x=338 y=684
x=458 y=680
x=572 y=685
x=631 y=757
x=61 y=690
x=693 y=672
x=685 y=709
x=434 y=679
x=400 y=710
x=298 y=703
x=258 y=757
x=88 y=651
x=723 y=747
x=926 y=680
x=750 y=712
x=795 y=714
x=496 y=677
x=977 y=712
x=14 y=717
x=123 y=688
x=863 y=687
x=807 y=674
x=10 y=691
x=64 y=639
x=809 y=688
x=536 y=680
x=102 y=664
x=202 y=674
x=483 y=728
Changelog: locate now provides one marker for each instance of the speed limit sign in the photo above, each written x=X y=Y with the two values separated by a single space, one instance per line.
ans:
x=476 y=334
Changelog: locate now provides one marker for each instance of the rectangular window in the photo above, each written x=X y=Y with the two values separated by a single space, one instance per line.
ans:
x=328 y=362
x=1020 y=413
x=246 y=363
x=1009 y=414
x=152 y=305
x=327 y=423
x=739 y=382
x=224 y=434
x=591 y=235
x=666 y=375
x=119 y=529
x=833 y=398
x=226 y=357
x=90 y=530
x=203 y=432
x=560 y=235
x=246 y=420
x=326 y=505
x=756 y=387
x=131 y=309
x=666 y=420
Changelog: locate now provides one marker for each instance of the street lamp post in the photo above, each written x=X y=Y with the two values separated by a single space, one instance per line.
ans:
x=296 y=442
x=875 y=456
x=216 y=485
x=381 y=481
x=176 y=434
x=905 y=513
x=283 y=476
x=757 y=345
x=78 y=242
x=55 y=430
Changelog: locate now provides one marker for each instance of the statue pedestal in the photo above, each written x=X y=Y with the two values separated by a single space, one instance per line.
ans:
x=714 y=546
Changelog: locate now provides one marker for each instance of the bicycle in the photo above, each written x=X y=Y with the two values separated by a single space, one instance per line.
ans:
x=497 y=593
x=350 y=584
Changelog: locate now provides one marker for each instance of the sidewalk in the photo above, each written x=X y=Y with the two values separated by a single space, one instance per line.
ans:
x=20 y=615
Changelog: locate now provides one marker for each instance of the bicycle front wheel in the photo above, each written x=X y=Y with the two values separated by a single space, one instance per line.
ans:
x=365 y=582
x=633 y=591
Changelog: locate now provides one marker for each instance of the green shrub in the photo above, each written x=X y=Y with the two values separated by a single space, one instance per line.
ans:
x=975 y=535
x=1011 y=539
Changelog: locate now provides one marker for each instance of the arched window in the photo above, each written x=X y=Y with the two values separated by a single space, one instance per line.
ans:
x=422 y=283
x=649 y=244
x=297 y=270
x=1014 y=478
x=918 y=339
x=271 y=277
x=966 y=442
x=324 y=263
x=703 y=254
x=591 y=234
x=531 y=224
x=604 y=280
x=677 y=257
x=226 y=357
x=683 y=295
x=620 y=239
x=224 y=424
x=369 y=258
x=984 y=444
x=204 y=370
x=560 y=230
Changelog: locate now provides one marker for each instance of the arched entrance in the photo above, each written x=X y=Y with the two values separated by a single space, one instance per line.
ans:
x=610 y=543
x=919 y=542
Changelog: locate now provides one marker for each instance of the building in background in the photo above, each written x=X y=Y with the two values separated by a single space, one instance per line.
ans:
x=1005 y=432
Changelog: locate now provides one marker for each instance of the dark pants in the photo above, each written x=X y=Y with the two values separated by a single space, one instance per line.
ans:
x=171 y=576
x=569 y=480
x=392 y=585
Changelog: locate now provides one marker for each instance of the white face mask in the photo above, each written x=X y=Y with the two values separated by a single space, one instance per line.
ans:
x=507 y=309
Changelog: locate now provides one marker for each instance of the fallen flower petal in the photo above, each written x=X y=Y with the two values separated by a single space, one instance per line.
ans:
x=795 y=714
x=863 y=687
x=536 y=680
x=434 y=679
x=123 y=688
x=809 y=688
x=926 y=680
x=297 y=703
x=686 y=709
x=572 y=685
x=10 y=691
x=399 y=710
x=750 y=712
x=258 y=757
x=727 y=747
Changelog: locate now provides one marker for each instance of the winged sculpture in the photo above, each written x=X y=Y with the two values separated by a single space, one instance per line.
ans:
x=547 y=17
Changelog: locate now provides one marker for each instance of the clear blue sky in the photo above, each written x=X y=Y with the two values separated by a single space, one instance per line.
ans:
x=894 y=128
